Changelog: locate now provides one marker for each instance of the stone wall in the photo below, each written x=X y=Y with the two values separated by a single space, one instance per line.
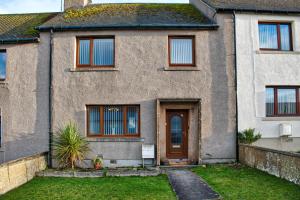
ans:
x=279 y=163
x=15 y=173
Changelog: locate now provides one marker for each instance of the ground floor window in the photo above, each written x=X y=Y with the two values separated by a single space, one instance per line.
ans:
x=282 y=101
x=113 y=120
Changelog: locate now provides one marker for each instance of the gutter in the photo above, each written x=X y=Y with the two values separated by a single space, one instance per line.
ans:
x=129 y=27
x=236 y=95
x=50 y=100
x=20 y=41
x=231 y=10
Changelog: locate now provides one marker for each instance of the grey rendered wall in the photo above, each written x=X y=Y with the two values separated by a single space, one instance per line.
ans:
x=24 y=100
x=141 y=76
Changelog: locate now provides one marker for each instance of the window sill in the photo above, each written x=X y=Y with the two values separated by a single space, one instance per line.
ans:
x=93 y=69
x=3 y=83
x=297 y=118
x=99 y=139
x=277 y=52
x=181 y=68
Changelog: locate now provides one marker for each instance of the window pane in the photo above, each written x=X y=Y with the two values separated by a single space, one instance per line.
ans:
x=268 y=36
x=181 y=51
x=132 y=120
x=94 y=120
x=2 y=65
x=113 y=120
x=285 y=37
x=84 y=52
x=103 y=52
x=270 y=101
x=176 y=131
x=286 y=101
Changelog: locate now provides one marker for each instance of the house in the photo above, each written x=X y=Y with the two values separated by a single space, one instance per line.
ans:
x=23 y=86
x=267 y=57
x=127 y=74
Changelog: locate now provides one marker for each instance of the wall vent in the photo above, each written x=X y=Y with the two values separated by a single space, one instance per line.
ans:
x=285 y=130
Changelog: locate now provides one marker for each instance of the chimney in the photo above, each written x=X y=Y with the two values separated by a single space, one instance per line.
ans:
x=75 y=3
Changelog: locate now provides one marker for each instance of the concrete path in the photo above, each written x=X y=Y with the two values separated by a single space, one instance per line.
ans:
x=189 y=186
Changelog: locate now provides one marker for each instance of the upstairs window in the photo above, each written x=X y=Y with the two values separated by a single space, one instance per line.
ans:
x=113 y=121
x=275 y=36
x=282 y=101
x=2 y=64
x=95 y=52
x=182 y=51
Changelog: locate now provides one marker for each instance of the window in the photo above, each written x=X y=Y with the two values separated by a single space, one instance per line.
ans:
x=113 y=121
x=182 y=51
x=275 y=36
x=95 y=52
x=2 y=64
x=282 y=101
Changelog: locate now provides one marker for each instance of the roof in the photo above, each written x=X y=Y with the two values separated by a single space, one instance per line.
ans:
x=20 y=28
x=272 y=6
x=129 y=16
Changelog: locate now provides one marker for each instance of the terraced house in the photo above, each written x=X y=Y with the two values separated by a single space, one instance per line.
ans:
x=156 y=74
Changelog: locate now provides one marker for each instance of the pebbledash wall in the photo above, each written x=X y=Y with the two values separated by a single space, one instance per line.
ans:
x=24 y=100
x=257 y=69
x=141 y=76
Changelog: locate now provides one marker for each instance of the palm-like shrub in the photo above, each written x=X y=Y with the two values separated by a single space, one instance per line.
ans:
x=69 y=146
x=248 y=136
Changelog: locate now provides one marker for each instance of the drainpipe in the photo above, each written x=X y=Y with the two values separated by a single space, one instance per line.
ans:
x=50 y=100
x=236 y=96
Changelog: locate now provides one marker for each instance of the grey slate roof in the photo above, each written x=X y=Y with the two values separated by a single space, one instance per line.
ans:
x=276 y=6
x=130 y=16
x=20 y=28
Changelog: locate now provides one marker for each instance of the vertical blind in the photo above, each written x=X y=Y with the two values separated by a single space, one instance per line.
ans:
x=181 y=50
x=116 y=120
x=84 y=52
x=2 y=64
x=285 y=37
x=268 y=36
x=102 y=52
x=286 y=101
x=270 y=101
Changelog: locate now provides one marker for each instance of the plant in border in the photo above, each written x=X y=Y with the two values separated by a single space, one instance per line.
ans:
x=69 y=146
x=98 y=162
x=248 y=136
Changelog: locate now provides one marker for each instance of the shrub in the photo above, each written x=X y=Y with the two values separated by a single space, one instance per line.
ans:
x=248 y=136
x=69 y=147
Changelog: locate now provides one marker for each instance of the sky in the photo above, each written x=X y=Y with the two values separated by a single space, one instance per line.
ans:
x=34 y=6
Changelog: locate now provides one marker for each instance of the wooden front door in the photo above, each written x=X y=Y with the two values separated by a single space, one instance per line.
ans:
x=177 y=134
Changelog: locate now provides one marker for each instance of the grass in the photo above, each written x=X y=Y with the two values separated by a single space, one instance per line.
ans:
x=240 y=182
x=93 y=188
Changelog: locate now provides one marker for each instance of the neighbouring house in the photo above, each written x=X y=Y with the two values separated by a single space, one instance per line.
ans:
x=268 y=61
x=127 y=74
x=24 y=70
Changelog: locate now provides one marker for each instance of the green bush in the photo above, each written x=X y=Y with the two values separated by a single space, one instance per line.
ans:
x=248 y=136
x=69 y=147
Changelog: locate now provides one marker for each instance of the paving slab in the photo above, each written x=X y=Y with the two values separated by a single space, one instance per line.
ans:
x=189 y=186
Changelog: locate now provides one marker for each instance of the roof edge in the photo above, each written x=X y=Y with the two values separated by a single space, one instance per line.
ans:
x=128 y=27
x=224 y=10
x=19 y=41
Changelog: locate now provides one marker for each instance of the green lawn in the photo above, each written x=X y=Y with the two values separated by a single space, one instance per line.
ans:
x=93 y=188
x=239 y=182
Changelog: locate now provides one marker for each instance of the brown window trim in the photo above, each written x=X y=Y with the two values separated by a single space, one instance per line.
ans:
x=91 y=38
x=4 y=51
x=170 y=37
x=297 y=88
x=101 y=135
x=279 y=35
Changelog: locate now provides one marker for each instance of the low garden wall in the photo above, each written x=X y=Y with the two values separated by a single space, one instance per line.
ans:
x=279 y=163
x=18 y=172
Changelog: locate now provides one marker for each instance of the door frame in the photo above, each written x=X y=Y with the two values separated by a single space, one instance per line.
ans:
x=184 y=153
